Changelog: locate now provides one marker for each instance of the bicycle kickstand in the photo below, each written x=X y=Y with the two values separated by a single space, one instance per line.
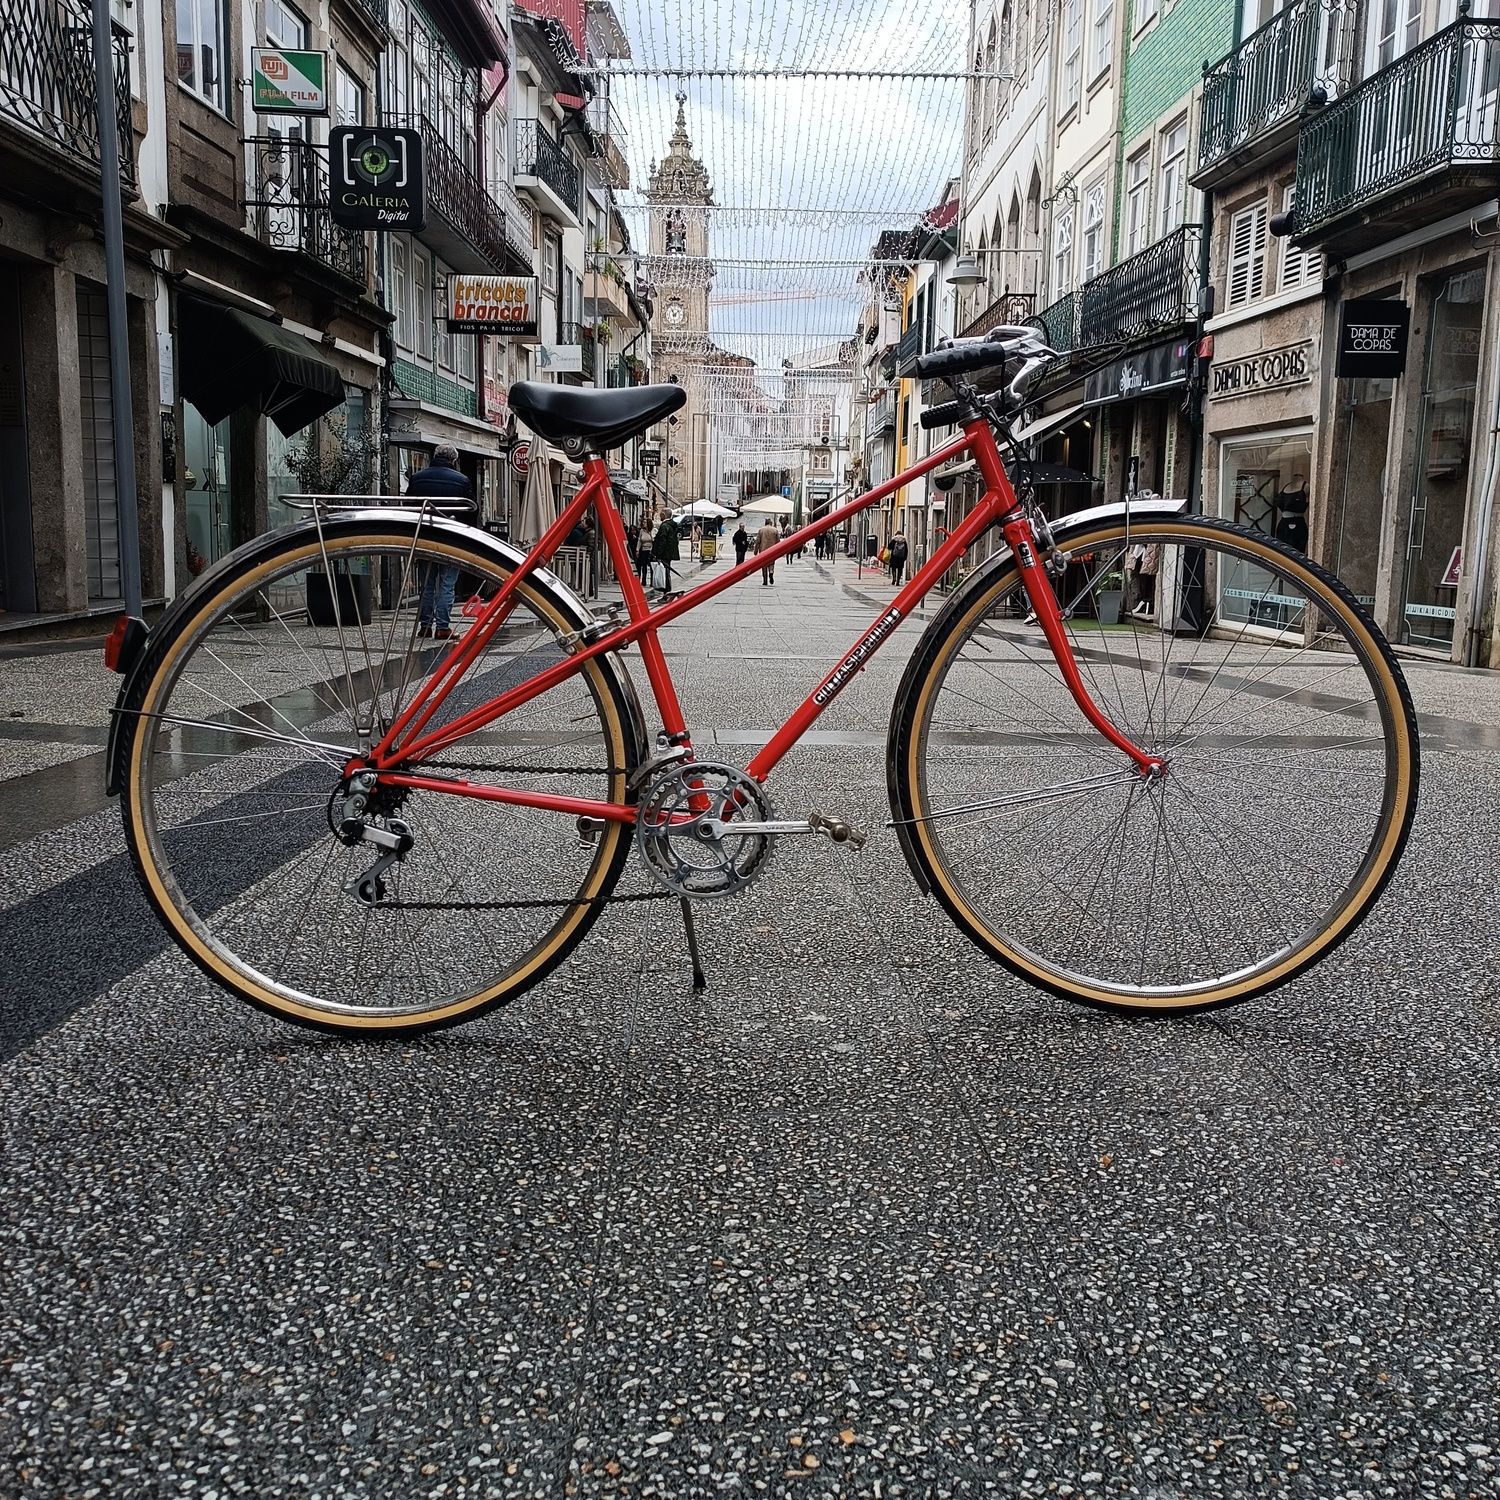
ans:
x=699 y=982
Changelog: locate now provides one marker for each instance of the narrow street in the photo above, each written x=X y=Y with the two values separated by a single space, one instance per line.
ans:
x=869 y=1216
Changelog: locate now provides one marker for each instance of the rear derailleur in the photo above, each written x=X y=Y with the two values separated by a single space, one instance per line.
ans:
x=352 y=809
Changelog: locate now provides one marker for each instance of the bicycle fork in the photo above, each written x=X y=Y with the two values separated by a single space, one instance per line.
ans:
x=1021 y=535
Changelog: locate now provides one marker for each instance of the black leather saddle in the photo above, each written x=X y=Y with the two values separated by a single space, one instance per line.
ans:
x=576 y=418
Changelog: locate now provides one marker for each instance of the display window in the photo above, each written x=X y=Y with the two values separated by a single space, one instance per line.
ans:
x=1264 y=486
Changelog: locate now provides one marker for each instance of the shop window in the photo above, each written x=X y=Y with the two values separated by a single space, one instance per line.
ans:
x=1245 y=280
x=1264 y=485
x=1299 y=268
x=1434 y=558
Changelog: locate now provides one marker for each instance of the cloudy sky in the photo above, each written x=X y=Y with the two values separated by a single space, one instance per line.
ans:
x=806 y=171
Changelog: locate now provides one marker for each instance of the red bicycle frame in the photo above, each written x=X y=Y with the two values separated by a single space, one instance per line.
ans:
x=405 y=742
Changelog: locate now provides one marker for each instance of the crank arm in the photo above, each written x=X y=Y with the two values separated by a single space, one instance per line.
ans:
x=714 y=829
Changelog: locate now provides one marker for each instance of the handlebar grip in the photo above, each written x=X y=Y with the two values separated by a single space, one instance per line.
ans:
x=977 y=354
x=942 y=416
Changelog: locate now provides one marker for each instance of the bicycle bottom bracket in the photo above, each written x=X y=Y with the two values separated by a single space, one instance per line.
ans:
x=684 y=829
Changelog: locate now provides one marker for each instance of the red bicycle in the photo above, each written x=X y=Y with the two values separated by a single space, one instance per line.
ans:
x=1145 y=759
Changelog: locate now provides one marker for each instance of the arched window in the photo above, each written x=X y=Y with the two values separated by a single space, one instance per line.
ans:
x=976 y=103
x=1031 y=269
x=1023 y=42
x=995 y=270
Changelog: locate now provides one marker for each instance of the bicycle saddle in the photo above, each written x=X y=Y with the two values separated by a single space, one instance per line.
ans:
x=577 y=418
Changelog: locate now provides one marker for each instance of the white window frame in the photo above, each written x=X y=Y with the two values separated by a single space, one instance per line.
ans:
x=1138 y=201
x=1245 y=256
x=401 y=287
x=1102 y=48
x=1144 y=15
x=1298 y=269
x=1173 y=174
x=1062 y=254
x=421 y=302
x=297 y=41
x=215 y=92
x=344 y=79
x=1072 y=52
x=1095 y=228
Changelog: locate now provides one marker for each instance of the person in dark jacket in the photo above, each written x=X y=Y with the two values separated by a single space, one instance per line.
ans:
x=443 y=483
x=741 y=540
x=665 y=548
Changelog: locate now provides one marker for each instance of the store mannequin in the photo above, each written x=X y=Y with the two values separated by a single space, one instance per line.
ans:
x=1291 y=514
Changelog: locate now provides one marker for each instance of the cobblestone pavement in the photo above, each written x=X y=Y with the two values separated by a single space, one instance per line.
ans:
x=869 y=1217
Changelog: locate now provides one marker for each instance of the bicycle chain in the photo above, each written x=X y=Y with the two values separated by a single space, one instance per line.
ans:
x=467 y=765
x=519 y=905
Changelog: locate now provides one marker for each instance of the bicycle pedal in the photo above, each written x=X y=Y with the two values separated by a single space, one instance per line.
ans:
x=837 y=830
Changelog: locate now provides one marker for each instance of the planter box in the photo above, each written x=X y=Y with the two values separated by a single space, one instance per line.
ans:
x=1109 y=602
x=354 y=599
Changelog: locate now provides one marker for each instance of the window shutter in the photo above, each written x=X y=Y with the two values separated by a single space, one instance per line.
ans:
x=1298 y=267
x=1246 y=279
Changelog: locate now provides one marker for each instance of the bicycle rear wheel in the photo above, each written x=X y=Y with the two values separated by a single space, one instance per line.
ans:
x=1291 y=781
x=239 y=729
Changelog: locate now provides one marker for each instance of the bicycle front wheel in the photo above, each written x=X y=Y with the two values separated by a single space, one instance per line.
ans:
x=259 y=690
x=1290 y=783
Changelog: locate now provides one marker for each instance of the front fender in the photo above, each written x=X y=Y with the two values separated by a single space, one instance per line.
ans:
x=133 y=689
x=920 y=662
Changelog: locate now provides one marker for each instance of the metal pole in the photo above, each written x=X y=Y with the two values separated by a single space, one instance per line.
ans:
x=114 y=290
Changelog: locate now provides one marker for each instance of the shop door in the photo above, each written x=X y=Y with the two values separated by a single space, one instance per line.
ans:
x=101 y=508
x=1429 y=589
x=17 y=564
x=1363 y=440
x=206 y=454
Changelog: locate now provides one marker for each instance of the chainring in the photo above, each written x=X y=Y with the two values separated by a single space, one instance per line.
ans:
x=671 y=824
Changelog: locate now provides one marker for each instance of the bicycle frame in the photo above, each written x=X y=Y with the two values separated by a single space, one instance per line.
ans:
x=405 y=741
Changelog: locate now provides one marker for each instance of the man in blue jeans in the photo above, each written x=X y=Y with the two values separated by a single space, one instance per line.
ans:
x=443 y=483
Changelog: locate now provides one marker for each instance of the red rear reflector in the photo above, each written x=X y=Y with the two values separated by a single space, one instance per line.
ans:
x=114 y=643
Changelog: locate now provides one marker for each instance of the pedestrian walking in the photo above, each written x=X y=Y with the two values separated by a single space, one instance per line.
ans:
x=741 y=540
x=665 y=548
x=899 y=552
x=645 y=541
x=766 y=538
x=442 y=480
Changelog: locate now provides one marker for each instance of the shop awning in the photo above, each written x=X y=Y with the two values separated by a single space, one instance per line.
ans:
x=1050 y=423
x=232 y=359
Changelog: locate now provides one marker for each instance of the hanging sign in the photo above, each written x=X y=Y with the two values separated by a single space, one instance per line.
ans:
x=285 y=82
x=1373 y=333
x=520 y=457
x=375 y=178
x=562 y=359
x=492 y=304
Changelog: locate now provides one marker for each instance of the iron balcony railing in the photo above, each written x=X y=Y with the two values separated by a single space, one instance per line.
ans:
x=1007 y=310
x=1270 y=78
x=456 y=195
x=1148 y=294
x=538 y=155
x=1059 y=322
x=908 y=347
x=1435 y=109
x=581 y=334
x=47 y=78
x=288 y=206
x=377 y=11
x=882 y=413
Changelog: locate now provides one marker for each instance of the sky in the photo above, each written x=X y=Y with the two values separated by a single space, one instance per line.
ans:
x=806 y=171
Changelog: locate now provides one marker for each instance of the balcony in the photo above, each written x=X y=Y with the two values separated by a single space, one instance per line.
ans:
x=1254 y=99
x=47 y=79
x=375 y=13
x=908 y=348
x=544 y=171
x=466 y=225
x=1151 y=294
x=1060 y=322
x=604 y=297
x=611 y=142
x=1008 y=310
x=882 y=416
x=1414 y=142
x=288 y=205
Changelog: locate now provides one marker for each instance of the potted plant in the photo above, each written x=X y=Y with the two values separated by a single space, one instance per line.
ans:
x=602 y=331
x=329 y=459
x=1109 y=595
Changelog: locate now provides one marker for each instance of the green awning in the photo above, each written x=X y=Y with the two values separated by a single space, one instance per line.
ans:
x=231 y=359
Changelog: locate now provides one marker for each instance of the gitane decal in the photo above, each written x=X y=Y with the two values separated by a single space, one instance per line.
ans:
x=856 y=658
x=1026 y=555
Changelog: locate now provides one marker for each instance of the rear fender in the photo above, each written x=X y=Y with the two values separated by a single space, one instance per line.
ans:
x=922 y=659
x=569 y=605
